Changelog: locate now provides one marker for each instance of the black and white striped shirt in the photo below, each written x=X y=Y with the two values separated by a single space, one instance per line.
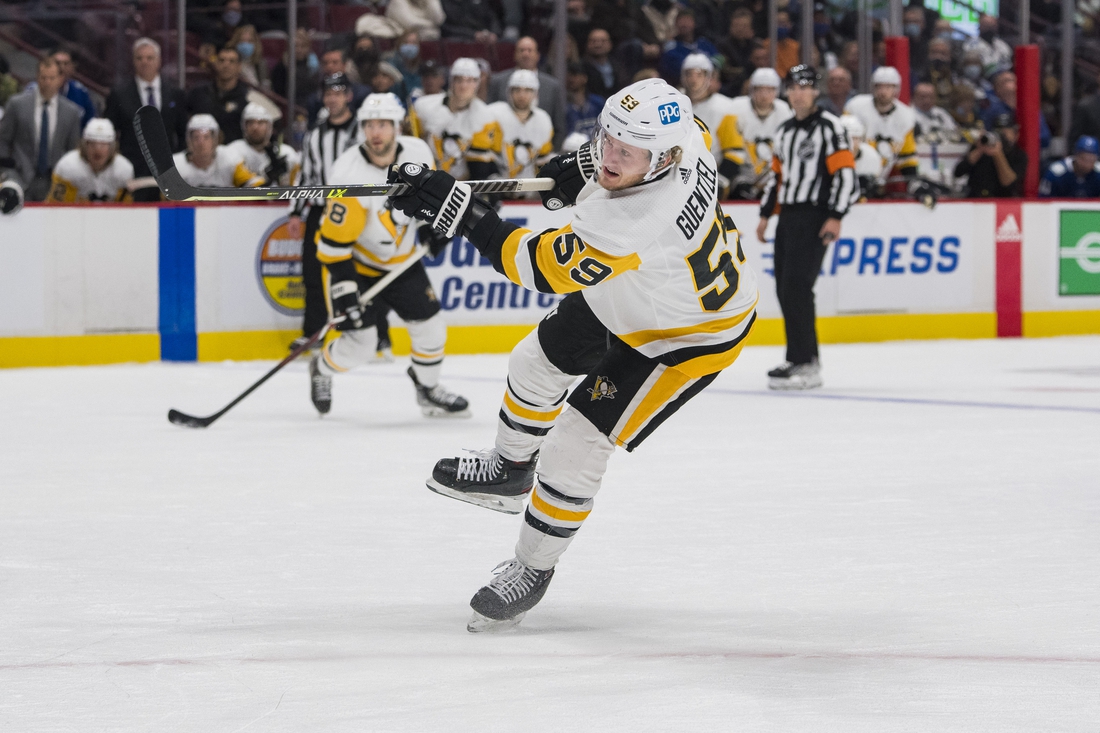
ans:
x=320 y=148
x=812 y=164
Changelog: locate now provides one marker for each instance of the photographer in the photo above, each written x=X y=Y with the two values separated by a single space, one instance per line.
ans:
x=995 y=164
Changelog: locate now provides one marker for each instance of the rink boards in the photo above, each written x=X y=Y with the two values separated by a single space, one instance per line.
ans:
x=103 y=284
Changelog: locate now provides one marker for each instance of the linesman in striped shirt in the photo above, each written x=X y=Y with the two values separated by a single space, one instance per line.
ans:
x=812 y=186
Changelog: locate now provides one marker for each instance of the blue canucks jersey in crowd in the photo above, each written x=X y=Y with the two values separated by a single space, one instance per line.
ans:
x=1060 y=181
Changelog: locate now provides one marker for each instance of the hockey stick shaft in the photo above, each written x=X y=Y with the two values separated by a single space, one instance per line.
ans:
x=155 y=148
x=190 y=421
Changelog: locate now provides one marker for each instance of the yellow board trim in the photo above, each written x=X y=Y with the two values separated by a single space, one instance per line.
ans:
x=1061 y=323
x=245 y=345
x=554 y=512
x=106 y=348
x=520 y=411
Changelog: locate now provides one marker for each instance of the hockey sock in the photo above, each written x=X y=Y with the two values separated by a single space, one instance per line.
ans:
x=428 y=340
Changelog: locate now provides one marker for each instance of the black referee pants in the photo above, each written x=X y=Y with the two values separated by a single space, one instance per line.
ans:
x=316 y=309
x=798 y=256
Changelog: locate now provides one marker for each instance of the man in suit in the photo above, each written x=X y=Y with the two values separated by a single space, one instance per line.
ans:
x=147 y=87
x=550 y=96
x=39 y=126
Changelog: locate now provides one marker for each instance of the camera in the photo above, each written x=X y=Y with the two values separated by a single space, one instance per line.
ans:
x=988 y=138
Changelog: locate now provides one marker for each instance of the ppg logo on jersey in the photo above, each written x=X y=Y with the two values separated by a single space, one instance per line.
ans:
x=669 y=113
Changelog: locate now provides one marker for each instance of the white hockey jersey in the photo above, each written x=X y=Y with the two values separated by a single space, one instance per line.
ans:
x=891 y=134
x=868 y=162
x=367 y=229
x=227 y=169
x=661 y=266
x=257 y=161
x=524 y=146
x=758 y=132
x=719 y=114
x=74 y=179
x=457 y=138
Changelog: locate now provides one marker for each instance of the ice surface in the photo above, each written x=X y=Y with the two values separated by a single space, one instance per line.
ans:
x=914 y=548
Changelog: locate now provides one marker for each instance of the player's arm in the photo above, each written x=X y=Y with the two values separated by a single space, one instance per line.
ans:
x=733 y=147
x=546 y=152
x=485 y=146
x=62 y=191
x=907 y=162
x=343 y=222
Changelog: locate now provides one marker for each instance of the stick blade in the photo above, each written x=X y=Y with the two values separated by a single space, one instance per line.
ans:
x=188 y=421
x=153 y=140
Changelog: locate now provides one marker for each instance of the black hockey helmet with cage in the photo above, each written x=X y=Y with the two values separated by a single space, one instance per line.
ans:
x=803 y=75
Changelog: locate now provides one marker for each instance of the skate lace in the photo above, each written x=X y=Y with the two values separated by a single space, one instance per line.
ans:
x=480 y=465
x=441 y=396
x=513 y=580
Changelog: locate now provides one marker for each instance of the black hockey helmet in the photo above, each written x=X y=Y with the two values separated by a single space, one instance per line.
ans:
x=803 y=75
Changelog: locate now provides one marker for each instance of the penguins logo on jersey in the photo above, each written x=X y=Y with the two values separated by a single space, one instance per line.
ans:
x=604 y=387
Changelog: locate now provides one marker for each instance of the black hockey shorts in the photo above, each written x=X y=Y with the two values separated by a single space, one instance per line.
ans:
x=410 y=296
x=625 y=394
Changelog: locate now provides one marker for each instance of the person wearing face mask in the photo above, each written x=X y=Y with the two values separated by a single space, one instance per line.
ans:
x=938 y=72
x=989 y=45
x=787 y=48
x=406 y=59
x=253 y=66
x=914 y=30
x=308 y=79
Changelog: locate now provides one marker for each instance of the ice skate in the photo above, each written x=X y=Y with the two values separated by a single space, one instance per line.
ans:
x=320 y=386
x=503 y=603
x=486 y=479
x=795 y=376
x=438 y=402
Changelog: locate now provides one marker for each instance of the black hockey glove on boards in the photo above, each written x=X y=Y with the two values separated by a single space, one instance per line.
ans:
x=436 y=197
x=570 y=173
x=278 y=166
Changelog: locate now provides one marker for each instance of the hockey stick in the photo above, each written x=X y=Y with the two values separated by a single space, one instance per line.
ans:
x=191 y=421
x=153 y=140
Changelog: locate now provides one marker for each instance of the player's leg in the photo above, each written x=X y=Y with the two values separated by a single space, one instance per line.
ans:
x=316 y=311
x=349 y=349
x=382 y=324
x=411 y=296
x=803 y=253
x=541 y=368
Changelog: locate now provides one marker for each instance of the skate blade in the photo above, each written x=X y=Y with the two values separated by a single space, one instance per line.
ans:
x=479 y=624
x=440 y=412
x=505 y=504
x=789 y=385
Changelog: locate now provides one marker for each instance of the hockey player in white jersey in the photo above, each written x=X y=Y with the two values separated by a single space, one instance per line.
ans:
x=868 y=162
x=659 y=301
x=360 y=240
x=718 y=114
x=759 y=115
x=889 y=122
x=527 y=132
x=271 y=162
x=458 y=126
x=208 y=163
x=95 y=171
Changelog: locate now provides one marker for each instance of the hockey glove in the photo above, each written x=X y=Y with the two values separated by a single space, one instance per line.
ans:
x=436 y=197
x=278 y=166
x=11 y=197
x=570 y=173
x=436 y=242
x=344 y=292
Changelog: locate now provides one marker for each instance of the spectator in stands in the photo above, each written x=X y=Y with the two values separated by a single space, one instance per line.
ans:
x=787 y=48
x=434 y=78
x=334 y=60
x=387 y=78
x=526 y=56
x=308 y=73
x=1077 y=176
x=963 y=107
x=1086 y=117
x=913 y=27
x=406 y=59
x=931 y=120
x=582 y=108
x=848 y=58
x=990 y=46
x=72 y=89
x=660 y=17
x=938 y=72
x=215 y=33
x=94 y=171
x=995 y=164
x=827 y=41
x=605 y=75
x=424 y=17
x=736 y=47
x=9 y=86
x=470 y=20
x=38 y=127
x=685 y=44
x=710 y=18
x=146 y=87
x=225 y=97
x=838 y=90
x=1003 y=99
x=253 y=65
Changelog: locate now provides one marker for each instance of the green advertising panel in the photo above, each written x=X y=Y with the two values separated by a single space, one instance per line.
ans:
x=1079 y=253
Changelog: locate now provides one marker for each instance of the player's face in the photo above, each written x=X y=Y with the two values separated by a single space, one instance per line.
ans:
x=696 y=82
x=622 y=165
x=257 y=132
x=379 y=136
x=1084 y=162
x=201 y=144
x=885 y=94
x=98 y=153
x=464 y=88
x=764 y=97
x=522 y=99
x=801 y=98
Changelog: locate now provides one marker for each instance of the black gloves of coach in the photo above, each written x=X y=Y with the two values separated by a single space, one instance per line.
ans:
x=435 y=197
x=570 y=173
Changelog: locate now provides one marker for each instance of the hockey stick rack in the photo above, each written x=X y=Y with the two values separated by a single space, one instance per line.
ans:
x=191 y=421
x=153 y=140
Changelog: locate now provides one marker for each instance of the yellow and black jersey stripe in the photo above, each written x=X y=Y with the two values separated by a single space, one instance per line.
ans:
x=558 y=261
x=63 y=191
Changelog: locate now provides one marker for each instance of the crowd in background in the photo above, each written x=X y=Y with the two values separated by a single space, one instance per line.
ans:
x=963 y=89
